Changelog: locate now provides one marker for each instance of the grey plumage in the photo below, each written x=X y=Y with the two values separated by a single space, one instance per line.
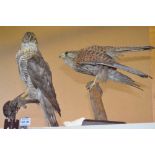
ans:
x=100 y=61
x=36 y=74
x=41 y=79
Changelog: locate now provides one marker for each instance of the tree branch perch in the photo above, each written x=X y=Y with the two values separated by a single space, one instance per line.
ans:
x=95 y=94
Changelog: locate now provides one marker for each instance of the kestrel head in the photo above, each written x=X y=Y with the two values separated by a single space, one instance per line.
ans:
x=69 y=57
x=29 y=37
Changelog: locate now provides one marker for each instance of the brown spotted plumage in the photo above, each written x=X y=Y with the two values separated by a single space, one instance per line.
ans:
x=100 y=61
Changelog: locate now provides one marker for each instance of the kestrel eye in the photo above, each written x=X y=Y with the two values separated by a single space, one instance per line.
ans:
x=66 y=53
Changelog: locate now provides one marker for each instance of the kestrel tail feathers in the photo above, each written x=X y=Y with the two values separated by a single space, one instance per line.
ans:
x=116 y=51
x=134 y=49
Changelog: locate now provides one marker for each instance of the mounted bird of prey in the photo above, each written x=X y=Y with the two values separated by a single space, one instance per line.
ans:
x=101 y=62
x=36 y=74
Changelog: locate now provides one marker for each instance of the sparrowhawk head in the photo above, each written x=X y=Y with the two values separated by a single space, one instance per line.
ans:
x=29 y=43
x=29 y=37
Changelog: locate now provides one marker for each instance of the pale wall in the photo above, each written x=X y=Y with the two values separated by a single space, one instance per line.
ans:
x=122 y=103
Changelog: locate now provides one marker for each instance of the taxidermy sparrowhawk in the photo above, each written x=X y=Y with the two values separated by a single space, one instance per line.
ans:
x=36 y=74
x=100 y=61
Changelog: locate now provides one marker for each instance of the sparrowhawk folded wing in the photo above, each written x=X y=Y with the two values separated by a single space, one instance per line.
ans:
x=41 y=78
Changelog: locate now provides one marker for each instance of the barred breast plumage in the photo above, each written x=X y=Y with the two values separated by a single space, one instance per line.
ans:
x=22 y=57
x=36 y=74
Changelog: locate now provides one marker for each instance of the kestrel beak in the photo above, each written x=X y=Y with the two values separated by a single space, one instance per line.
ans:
x=62 y=55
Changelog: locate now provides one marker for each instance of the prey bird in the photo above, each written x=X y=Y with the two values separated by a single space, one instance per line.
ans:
x=36 y=74
x=101 y=62
x=10 y=108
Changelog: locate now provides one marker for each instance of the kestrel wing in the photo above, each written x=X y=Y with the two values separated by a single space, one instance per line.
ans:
x=90 y=56
x=95 y=58
x=116 y=51
x=41 y=78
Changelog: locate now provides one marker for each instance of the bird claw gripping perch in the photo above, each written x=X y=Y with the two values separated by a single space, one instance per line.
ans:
x=90 y=85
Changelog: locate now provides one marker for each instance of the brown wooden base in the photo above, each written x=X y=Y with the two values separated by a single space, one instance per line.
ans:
x=11 y=124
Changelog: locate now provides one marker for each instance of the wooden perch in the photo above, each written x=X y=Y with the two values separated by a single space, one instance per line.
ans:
x=11 y=108
x=95 y=94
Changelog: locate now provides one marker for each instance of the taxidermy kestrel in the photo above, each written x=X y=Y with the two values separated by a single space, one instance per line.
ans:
x=100 y=61
x=36 y=74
